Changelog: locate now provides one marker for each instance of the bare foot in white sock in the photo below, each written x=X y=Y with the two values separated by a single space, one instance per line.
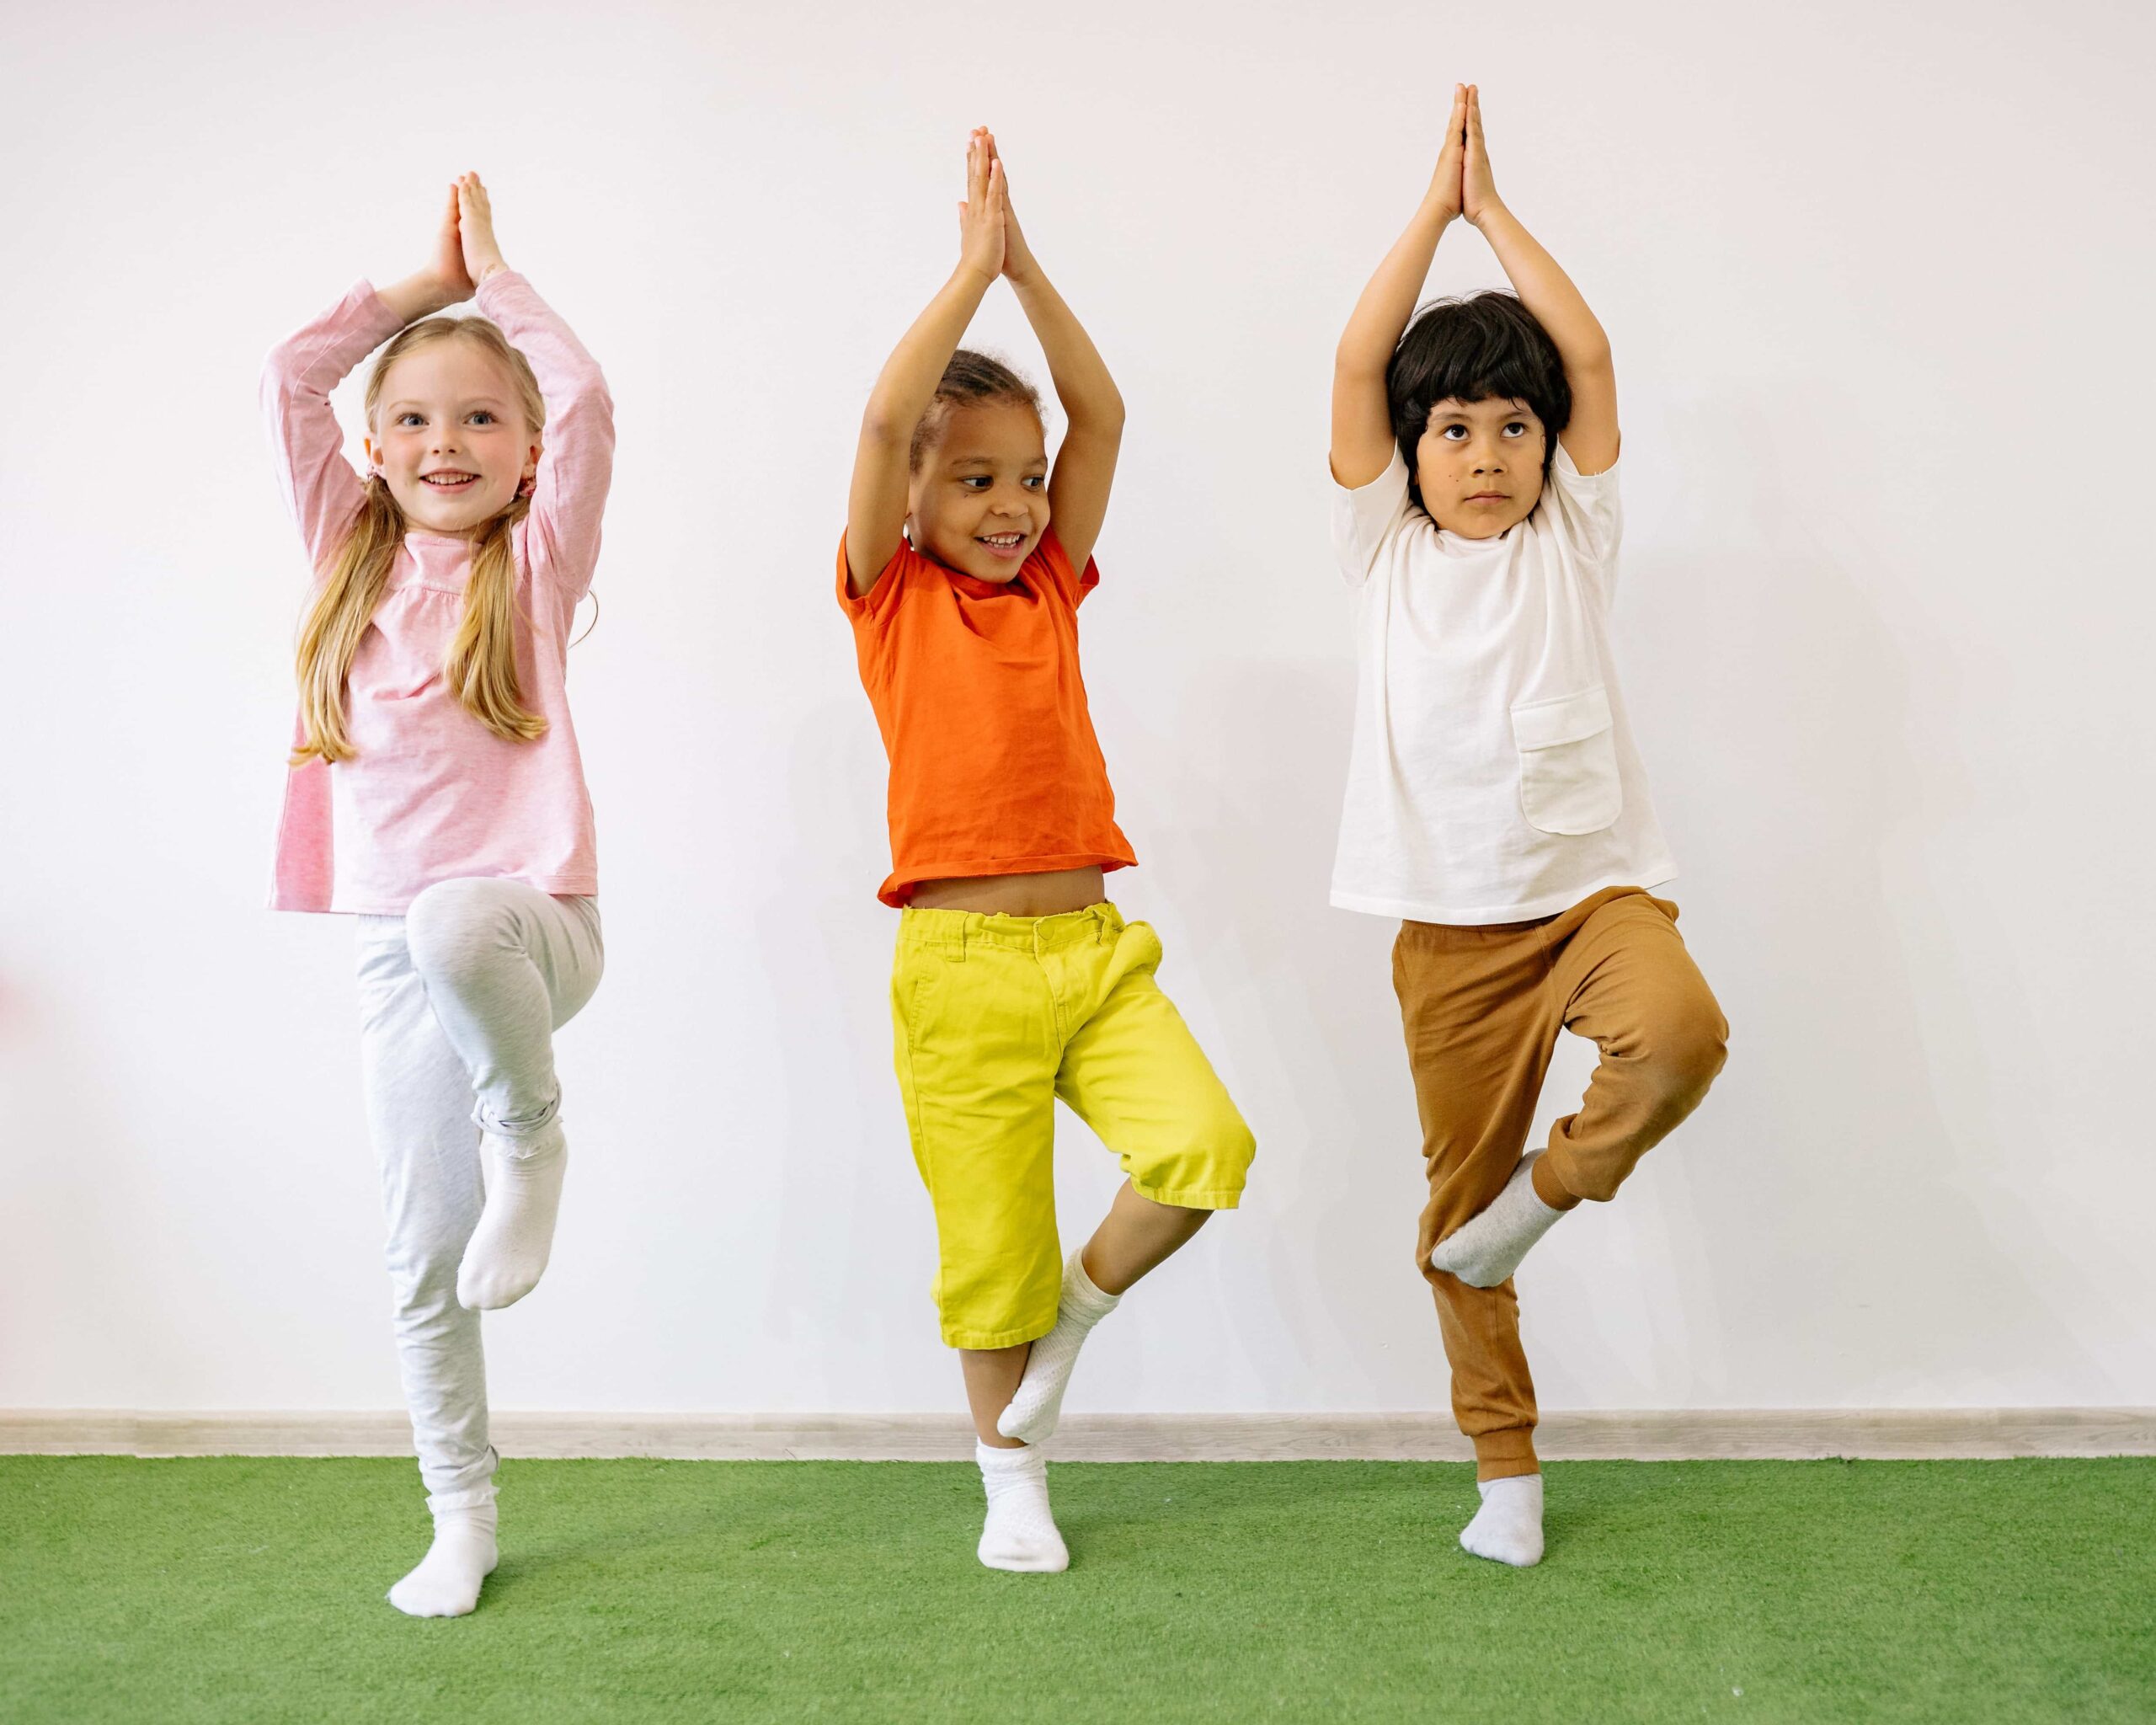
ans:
x=1507 y=1529
x=446 y=1583
x=1489 y=1246
x=1020 y=1532
x=507 y=1252
x=1038 y=1404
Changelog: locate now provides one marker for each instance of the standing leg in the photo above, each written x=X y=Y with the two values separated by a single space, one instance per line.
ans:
x=972 y=1041
x=1480 y=1033
x=1616 y=971
x=1480 y=1026
x=1133 y=1072
x=504 y=967
x=419 y=1102
x=1019 y=1532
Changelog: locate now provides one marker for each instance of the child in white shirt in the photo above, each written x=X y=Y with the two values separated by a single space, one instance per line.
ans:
x=1495 y=801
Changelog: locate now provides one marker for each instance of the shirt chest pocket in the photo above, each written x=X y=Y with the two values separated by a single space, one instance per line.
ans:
x=1568 y=781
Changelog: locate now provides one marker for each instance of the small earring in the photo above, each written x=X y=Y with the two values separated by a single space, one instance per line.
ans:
x=529 y=484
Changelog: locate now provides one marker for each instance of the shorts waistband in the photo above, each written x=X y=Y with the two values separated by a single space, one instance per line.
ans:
x=1096 y=924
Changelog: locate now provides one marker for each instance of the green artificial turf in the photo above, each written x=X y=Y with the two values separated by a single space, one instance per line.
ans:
x=236 y=1590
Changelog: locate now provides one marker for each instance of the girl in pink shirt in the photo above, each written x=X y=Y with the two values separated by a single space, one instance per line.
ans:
x=434 y=793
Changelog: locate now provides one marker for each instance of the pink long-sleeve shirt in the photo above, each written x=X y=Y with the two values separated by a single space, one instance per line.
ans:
x=432 y=794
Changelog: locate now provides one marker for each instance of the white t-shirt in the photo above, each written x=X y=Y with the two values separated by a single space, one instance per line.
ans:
x=1493 y=777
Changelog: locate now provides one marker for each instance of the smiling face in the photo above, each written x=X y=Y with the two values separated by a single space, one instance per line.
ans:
x=450 y=437
x=977 y=503
x=1479 y=465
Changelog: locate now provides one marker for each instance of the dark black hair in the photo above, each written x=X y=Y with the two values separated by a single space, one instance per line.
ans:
x=969 y=377
x=1481 y=347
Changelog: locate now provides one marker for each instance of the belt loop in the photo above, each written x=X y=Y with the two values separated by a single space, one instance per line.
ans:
x=961 y=941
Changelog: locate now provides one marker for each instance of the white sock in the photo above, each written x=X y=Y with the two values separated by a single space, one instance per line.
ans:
x=446 y=1583
x=1489 y=1248
x=507 y=1253
x=1036 y=1407
x=1020 y=1532
x=1507 y=1529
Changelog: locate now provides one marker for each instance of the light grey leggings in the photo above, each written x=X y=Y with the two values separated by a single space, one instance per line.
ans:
x=459 y=1001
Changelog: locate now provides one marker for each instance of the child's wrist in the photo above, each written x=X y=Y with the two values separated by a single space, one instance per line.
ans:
x=493 y=266
x=433 y=293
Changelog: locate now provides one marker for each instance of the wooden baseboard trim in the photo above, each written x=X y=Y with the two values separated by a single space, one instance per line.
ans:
x=1690 y=1434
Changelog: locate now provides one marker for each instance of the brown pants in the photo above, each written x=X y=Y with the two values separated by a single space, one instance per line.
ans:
x=1482 y=1007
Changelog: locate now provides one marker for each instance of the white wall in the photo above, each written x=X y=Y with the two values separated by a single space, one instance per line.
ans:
x=1877 y=282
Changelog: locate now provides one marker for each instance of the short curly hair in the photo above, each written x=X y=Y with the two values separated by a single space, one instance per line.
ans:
x=969 y=377
x=1478 y=347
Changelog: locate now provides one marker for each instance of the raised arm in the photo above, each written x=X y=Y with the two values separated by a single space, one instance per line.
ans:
x=1591 y=438
x=876 y=504
x=576 y=463
x=319 y=485
x=1093 y=407
x=1362 y=417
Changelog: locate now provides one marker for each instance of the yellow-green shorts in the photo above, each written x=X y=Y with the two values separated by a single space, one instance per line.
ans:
x=995 y=1017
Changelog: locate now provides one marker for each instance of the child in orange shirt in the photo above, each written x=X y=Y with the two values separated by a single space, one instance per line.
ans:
x=1016 y=980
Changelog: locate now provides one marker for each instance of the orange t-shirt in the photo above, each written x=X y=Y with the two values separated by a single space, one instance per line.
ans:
x=995 y=768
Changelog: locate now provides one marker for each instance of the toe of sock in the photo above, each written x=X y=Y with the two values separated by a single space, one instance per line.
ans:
x=486 y=1287
x=1027 y=1421
x=1519 y=1554
x=473 y=1294
x=430 y=1598
x=446 y=1583
x=1029 y=1557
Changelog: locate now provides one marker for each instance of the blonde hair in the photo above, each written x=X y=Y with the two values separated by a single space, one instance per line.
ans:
x=481 y=665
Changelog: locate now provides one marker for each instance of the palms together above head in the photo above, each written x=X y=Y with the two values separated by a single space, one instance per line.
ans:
x=1478 y=192
x=1017 y=256
x=981 y=216
x=482 y=253
x=465 y=250
x=1461 y=185
x=447 y=262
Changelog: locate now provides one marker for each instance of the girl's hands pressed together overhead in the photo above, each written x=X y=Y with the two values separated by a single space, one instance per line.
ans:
x=464 y=255
x=446 y=266
x=1018 y=262
x=482 y=256
x=981 y=244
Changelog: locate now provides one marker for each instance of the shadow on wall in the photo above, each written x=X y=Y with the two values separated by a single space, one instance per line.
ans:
x=77 y=1230
x=1239 y=803
x=1810 y=862
x=850 y=1204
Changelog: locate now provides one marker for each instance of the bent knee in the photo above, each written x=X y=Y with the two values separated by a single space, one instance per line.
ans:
x=1207 y=1168
x=1223 y=1141
x=453 y=925
x=1686 y=1050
